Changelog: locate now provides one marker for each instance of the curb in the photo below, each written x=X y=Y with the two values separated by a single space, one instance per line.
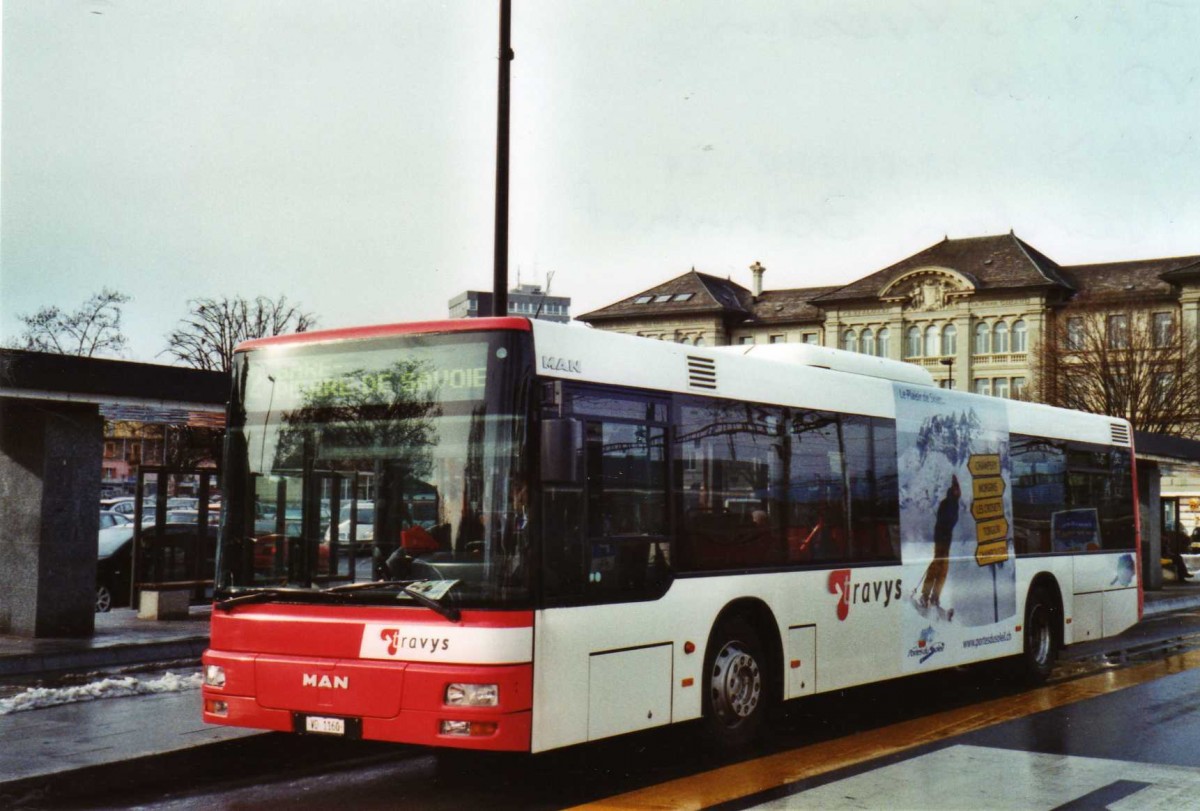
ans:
x=173 y=769
x=1170 y=604
x=31 y=664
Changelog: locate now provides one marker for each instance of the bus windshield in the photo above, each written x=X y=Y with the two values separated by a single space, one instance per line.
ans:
x=358 y=468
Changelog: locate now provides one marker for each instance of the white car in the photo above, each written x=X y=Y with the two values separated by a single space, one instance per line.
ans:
x=364 y=533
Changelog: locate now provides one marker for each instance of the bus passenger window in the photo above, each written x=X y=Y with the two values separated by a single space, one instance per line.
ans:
x=816 y=492
x=731 y=478
x=870 y=454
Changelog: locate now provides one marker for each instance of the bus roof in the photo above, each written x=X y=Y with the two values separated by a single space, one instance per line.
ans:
x=820 y=378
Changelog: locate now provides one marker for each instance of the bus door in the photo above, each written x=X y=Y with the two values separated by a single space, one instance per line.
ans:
x=606 y=546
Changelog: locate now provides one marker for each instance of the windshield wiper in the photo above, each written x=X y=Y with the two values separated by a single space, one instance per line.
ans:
x=263 y=596
x=370 y=584
x=449 y=612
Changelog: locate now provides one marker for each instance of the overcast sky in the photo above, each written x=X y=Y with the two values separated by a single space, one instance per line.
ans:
x=343 y=153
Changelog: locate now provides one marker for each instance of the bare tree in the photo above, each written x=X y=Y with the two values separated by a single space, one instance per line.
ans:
x=95 y=328
x=207 y=336
x=1122 y=359
x=193 y=445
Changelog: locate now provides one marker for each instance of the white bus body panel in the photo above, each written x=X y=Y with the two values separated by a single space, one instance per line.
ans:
x=822 y=649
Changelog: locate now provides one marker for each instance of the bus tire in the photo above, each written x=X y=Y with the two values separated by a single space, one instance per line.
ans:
x=736 y=685
x=1041 y=637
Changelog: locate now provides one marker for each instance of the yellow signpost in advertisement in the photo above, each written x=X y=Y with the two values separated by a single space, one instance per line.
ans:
x=991 y=527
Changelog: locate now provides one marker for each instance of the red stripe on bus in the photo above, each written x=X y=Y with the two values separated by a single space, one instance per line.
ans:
x=359 y=614
x=385 y=330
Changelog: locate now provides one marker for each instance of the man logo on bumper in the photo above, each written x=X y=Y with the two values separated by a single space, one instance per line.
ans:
x=335 y=683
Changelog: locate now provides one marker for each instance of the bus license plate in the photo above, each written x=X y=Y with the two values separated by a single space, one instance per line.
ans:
x=325 y=726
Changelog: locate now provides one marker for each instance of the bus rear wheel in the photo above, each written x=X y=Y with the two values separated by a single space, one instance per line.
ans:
x=736 y=694
x=1041 y=637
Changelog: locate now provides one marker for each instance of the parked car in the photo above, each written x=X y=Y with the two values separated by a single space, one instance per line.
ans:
x=364 y=531
x=115 y=546
x=293 y=519
x=178 y=553
x=125 y=506
x=112 y=518
x=183 y=503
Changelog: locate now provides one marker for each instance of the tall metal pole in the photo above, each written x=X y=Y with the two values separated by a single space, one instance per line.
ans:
x=500 y=264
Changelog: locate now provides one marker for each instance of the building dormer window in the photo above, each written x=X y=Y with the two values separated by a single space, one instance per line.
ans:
x=643 y=299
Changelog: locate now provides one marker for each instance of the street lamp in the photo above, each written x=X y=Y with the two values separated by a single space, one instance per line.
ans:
x=949 y=364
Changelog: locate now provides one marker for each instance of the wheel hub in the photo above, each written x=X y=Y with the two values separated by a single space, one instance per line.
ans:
x=736 y=684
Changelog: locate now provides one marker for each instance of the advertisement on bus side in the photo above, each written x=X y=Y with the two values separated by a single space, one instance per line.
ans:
x=955 y=526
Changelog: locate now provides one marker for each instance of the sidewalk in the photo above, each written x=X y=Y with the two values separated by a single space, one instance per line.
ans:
x=120 y=639
x=108 y=740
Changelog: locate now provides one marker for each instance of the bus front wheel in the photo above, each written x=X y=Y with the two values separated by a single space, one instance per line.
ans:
x=735 y=685
x=1041 y=637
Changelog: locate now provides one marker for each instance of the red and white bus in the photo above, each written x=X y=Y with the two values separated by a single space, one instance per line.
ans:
x=575 y=534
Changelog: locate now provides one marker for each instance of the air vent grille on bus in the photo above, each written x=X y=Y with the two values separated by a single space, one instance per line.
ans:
x=702 y=372
x=1120 y=433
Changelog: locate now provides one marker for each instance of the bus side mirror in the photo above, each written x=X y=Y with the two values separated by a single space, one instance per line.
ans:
x=562 y=451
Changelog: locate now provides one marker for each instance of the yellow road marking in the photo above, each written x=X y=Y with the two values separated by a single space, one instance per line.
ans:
x=751 y=777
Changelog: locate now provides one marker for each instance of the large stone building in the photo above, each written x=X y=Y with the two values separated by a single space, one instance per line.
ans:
x=971 y=311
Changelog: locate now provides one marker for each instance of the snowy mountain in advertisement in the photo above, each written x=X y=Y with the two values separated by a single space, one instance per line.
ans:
x=952 y=451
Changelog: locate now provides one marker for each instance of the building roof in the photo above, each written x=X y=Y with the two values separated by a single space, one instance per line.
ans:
x=692 y=293
x=1000 y=262
x=789 y=305
x=1142 y=277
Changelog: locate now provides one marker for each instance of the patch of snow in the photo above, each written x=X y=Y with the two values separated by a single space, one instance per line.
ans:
x=35 y=698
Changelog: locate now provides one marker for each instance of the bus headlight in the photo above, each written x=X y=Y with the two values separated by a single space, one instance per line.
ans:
x=472 y=695
x=214 y=676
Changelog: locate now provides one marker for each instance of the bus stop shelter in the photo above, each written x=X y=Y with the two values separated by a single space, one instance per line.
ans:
x=51 y=443
x=1163 y=461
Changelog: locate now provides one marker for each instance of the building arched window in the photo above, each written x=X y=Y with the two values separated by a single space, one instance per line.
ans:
x=983 y=337
x=949 y=340
x=912 y=343
x=866 y=342
x=932 y=341
x=1000 y=337
x=700 y=340
x=849 y=341
x=881 y=342
x=1020 y=339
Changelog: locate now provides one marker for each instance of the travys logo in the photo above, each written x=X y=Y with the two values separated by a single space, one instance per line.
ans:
x=867 y=592
x=926 y=646
x=396 y=641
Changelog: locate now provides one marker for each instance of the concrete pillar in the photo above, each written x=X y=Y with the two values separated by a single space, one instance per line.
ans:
x=895 y=327
x=1150 y=510
x=50 y=456
x=962 y=352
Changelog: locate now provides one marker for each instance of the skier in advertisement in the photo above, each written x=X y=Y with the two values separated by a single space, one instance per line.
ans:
x=943 y=530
